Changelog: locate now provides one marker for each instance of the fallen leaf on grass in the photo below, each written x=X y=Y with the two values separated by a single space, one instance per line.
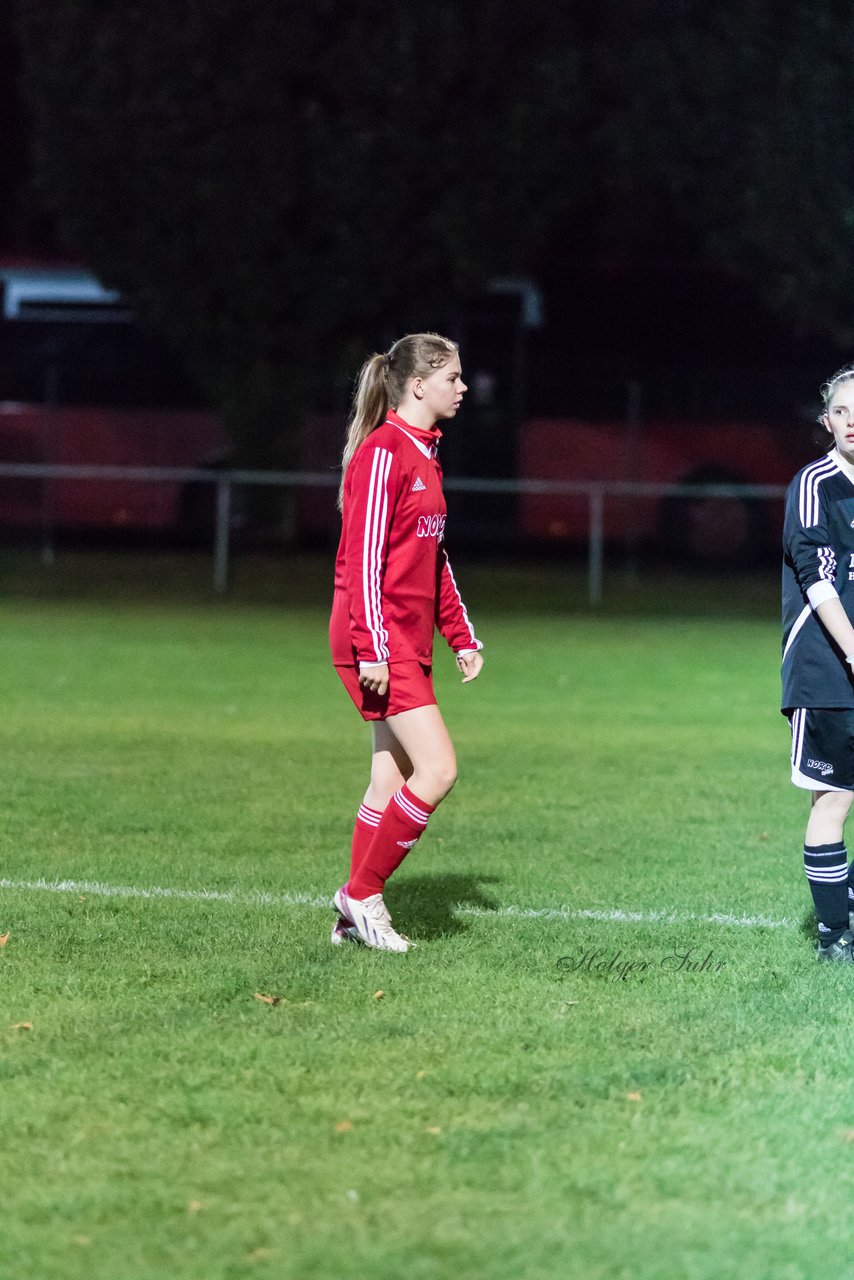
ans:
x=378 y=995
x=420 y=1075
x=433 y=1129
x=22 y=1026
x=81 y=1240
x=633 y=1097
x=194 y=1206
x=344 y=1126
x=260 y=1254
x=4 y=938
x=294 y=1004
x=847 y=1135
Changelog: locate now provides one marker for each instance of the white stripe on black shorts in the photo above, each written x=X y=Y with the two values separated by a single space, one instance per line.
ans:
x=823 y=748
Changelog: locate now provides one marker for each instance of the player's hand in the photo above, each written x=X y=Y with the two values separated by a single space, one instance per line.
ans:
x=375 y=678
x=470 y=664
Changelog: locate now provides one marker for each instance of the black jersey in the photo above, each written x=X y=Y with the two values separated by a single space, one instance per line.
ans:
x=818 y=546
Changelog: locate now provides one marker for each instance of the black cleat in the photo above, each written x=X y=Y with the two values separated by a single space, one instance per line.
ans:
x=839 y=952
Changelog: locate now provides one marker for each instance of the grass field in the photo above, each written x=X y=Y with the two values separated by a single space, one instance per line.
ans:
x=613 y=1053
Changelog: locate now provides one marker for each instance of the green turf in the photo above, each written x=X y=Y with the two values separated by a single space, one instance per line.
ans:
x=517 y=1103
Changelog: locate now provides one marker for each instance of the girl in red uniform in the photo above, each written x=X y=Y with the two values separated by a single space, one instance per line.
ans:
x=393 y=585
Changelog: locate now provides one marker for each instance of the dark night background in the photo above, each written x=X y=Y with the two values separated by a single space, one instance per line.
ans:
x=282 y=188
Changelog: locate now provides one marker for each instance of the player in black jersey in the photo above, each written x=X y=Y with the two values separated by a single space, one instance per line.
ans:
x=818 y=661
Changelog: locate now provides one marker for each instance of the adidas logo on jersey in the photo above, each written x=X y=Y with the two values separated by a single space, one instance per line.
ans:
x=419 y=486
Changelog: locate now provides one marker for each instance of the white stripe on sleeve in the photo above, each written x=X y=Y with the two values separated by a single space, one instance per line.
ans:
x=808 y=504
x=474 y=640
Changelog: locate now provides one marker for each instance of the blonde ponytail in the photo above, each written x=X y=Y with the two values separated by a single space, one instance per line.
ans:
x=370 y=406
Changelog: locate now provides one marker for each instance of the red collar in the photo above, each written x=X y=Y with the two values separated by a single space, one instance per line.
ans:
x=429 y=438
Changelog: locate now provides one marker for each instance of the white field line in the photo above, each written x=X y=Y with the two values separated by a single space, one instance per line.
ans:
x=256 y=897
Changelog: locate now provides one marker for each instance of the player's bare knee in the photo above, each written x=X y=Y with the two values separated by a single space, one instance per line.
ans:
x=433 y=782
x=445 y=777
x=843 y=803
x=834 y=801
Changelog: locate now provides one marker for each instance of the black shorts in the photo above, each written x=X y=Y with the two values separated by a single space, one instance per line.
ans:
x=823 y=748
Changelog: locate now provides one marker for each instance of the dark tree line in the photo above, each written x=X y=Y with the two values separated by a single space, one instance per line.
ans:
x=732 y=121
x=278 y=185
x=270 y=182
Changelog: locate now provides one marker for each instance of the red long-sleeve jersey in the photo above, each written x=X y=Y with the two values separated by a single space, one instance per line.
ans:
x=393 y=580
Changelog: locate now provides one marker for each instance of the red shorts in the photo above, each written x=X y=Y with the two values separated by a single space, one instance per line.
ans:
x=410 y=685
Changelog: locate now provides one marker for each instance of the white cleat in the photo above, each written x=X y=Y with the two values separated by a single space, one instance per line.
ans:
x=343 y=931
x=371 y=921
x=344 y=920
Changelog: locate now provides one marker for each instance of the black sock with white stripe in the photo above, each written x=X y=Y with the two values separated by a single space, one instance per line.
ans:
x=826 y=866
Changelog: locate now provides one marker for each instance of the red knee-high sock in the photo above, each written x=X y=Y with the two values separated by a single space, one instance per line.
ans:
x=400 y=827
x=367 y=821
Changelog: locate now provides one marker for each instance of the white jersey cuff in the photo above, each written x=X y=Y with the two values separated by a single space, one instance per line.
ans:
x=819 y=592
x=475 y=648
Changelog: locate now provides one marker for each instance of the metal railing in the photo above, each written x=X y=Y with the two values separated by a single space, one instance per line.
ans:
x=596 y=493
